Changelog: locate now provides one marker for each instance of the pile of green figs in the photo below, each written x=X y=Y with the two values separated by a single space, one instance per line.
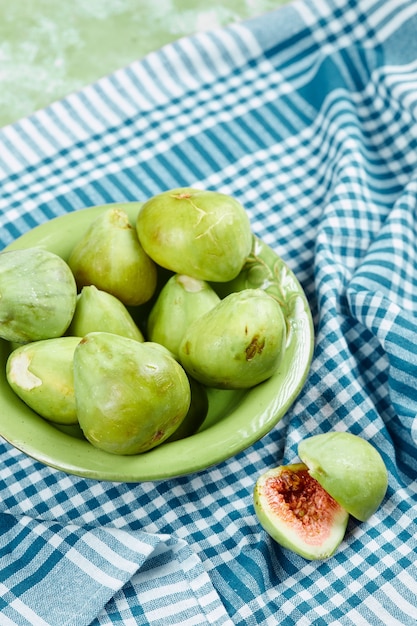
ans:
x=124 y=337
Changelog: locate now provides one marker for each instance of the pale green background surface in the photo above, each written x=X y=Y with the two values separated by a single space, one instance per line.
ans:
x=49 y=48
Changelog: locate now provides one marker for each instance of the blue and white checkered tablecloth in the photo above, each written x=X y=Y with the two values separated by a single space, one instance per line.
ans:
x=307 y=115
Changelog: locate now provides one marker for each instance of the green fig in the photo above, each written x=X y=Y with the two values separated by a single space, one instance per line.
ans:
x=263 y=269
x=97 y=310
x=41 y=374
x=110 y=256
x=298 y=513
x=255 y=273
x=203 y=234
x=196 y=414
x=349 y=468
x=130 y=396
x=238 y=343
x=37 y=295
x=161 y=348
x=182 y=300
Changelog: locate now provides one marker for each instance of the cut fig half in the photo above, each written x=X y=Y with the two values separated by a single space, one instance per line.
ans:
x=349 y=468
x=305 y=506
x=295 y=510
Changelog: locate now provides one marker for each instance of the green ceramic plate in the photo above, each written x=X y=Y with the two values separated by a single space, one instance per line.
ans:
x=236 y=419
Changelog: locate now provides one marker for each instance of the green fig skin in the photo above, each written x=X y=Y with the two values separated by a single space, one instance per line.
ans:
x=203 y=234
x=37 y=295
x=161 y=348
x=349 y=468
x=256 y=273
x=41 y=374
x=110 y=256
x=199 y=403
x=298 y=513
x=238 y=343
x=196 y=414
x=130 y=396
x=97 y=310
x=182 y=300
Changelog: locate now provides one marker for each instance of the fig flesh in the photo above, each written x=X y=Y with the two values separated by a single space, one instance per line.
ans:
x=110 y=256
x=97 y=310
x=130 y=396
x=238 y=343
x=41 y=374
x=203 y=234
x=182 y=300
x=37 y=295
x=298 y=513
x=349 y=468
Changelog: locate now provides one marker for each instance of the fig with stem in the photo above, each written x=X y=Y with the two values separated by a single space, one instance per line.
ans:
x=110 y=256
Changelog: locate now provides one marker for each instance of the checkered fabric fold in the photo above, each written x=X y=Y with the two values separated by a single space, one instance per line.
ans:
x=308 y=116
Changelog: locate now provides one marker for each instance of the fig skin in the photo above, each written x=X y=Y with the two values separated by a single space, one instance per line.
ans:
x=97 y=310
x=130 y=396
x=37 y=295
x=203 y=234
x=196 y=415
x=110 y=256
x=41 y=374
x=182 y=300
x=298 y=513
x=199 y=403
x=349 y=468
x=238 y=343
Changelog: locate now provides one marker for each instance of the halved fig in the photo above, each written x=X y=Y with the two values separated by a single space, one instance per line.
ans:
x=349 y=468
x=295 y=510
